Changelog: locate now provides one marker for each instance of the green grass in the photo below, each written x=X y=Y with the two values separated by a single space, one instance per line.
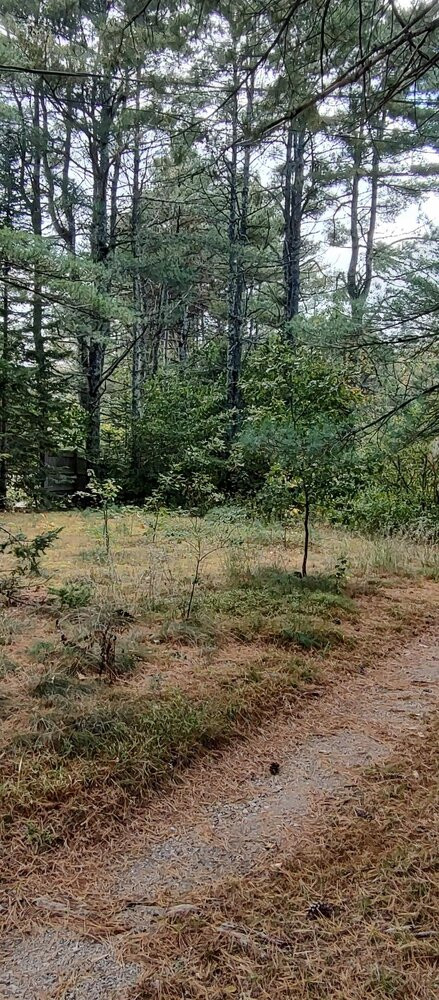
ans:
x=267 y=604
x=277 y=607
x=39 y=650
x=131 y=745
x=58 y=685
x=317 y=638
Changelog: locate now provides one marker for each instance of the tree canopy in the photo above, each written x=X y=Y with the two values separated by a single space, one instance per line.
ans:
x=219 y=252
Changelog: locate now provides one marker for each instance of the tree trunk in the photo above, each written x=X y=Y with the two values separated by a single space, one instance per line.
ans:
x=37 y=303
x=306 y=536
x=61 y=211
x=293 y=198
x=99 y=245
x=4 y=395
x=183 y=335
x=66 y=195
x=139 y=347
x=238 y=224
x=374 y=180
x=359 y=284
x=353 y=281
x=4 y=391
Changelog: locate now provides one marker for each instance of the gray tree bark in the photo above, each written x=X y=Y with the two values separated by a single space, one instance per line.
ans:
x=358 y=281
x=239 y=188
x=37 y=302
x=293 y=201
x=99 y=145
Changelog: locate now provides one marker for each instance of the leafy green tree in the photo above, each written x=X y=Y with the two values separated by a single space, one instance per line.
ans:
x=300 y=412
x=182 y=435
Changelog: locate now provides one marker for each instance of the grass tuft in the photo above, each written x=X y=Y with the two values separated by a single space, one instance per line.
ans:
x=41 y=649
x=188 y=633
x=309 y=638
x=52 y=686
x=7 y=665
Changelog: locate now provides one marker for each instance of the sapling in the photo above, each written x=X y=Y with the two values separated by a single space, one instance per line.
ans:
x=300 y=412
x=93 y=634
x=155 y=504
x=27 y=553
x=201 y=555
x=105 y=492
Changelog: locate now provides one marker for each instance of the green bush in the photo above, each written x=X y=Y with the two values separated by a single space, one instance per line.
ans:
x=180 y=443
x=383 y=511
x=75 y=593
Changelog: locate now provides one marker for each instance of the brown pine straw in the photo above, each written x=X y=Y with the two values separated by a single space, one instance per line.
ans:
x=375 y=861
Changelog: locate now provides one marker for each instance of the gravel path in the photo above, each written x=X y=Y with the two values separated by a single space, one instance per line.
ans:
x=226 y=815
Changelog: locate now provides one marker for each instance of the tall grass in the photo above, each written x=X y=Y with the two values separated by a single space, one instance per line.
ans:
x=397 y=556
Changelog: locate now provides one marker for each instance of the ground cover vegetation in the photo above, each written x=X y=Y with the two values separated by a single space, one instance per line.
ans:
x=121 y=661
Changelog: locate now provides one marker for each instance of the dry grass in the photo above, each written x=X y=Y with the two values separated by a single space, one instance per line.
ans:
x=373 y=866
x=143 y=566
x=77 y=752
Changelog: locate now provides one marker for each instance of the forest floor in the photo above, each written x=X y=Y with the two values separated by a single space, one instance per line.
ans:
x=203 y=888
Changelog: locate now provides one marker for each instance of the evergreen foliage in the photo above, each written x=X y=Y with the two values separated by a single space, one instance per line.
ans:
x=218 y=262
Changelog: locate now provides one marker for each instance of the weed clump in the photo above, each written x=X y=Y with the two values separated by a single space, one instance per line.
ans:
x=53 y=686
x=7 y=665
x=74 y=593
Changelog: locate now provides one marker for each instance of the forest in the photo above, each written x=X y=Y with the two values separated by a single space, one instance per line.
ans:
x=219 y=499
x=219 y=258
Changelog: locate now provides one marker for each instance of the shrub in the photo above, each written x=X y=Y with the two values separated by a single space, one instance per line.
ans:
x=75 y=593
x=27 y=554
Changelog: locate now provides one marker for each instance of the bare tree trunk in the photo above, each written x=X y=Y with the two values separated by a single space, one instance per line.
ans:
x=234 y=342
x=139 y=346
x=138 y=359
x=4 y=392
x=66 y=195
x=99 y=244
x=183 y=335
x=37 y=302
x=353 y=282
x=63 y=219
x=160 y=332
x=293 y=199
x=238 y=225
x=61 y=212
x=4 y=395
x=359 y=283
x=306 y=536
x=374 y=180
